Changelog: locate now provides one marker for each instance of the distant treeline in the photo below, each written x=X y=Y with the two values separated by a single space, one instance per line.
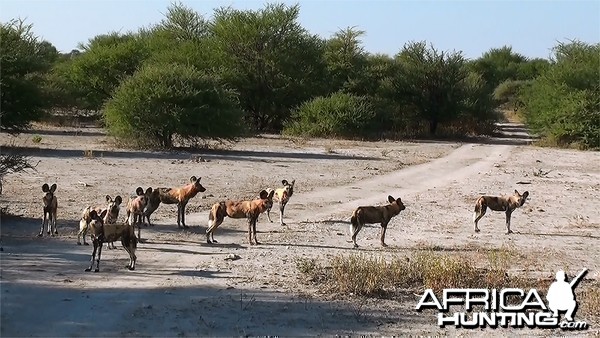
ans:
x=244 y=72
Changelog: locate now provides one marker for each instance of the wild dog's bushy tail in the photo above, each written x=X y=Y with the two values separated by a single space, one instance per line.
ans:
x=354 y=222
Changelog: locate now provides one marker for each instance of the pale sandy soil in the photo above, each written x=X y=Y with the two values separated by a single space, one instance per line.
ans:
x=184 y=287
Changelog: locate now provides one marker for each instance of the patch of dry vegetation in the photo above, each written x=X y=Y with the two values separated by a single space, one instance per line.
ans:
x=372 y=275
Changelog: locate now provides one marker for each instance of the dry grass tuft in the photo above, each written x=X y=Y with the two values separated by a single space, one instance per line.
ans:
x=375 y=276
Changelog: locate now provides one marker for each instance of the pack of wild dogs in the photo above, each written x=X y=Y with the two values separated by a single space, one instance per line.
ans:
x=101 y=221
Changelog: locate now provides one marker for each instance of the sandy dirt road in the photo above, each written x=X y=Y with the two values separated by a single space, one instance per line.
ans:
x=184 y=287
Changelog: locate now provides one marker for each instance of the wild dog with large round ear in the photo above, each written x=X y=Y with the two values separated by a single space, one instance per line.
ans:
x=50 y=207
x=135 y=208
x=112 y=214
x=111 y=232
x=379 y=214
x=239 y=209
x=181 y=197
x=282 y=196
x=508 y=204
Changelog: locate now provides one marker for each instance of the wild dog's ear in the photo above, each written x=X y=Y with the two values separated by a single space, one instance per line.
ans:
x=516 y=192
x=108 y=198
x=139 y=191
x=398 y=200
x=263 y=194
x=53 y=188
x=284 y=182
x=103 y=213
x=293 y=182
x=45 y=187
x=271 y=193
x=525 y=194
x=93 y=214
x=391 y=199
x=148 y=191
x=118 y=200
x=194 y=179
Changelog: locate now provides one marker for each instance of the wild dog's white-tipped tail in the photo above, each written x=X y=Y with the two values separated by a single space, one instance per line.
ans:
x=474 y=215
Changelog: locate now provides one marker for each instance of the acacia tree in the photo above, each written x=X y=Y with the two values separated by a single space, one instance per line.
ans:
x=23 y=61
x=269 y=59
x=432 y=83
x=105 y=61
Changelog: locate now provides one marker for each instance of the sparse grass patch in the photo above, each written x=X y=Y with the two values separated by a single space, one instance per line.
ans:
x=589 y=300
x=375 y=276
x=36 y=139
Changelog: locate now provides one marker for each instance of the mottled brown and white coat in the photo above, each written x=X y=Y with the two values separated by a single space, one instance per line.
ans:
x=101 y=233
x=282 y=196
x=239 y=209
x=50 y=208
x=378 y=214
x=508 y=204
x=180 y=196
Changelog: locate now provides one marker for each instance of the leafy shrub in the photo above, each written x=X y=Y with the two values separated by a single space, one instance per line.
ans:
x=563 y=104
x=163 y=100
x=338 y=115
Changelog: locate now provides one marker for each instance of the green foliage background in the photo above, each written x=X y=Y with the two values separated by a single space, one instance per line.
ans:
x=253 y=71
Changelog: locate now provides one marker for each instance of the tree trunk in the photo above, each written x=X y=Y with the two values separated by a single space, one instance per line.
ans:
x=433 y=124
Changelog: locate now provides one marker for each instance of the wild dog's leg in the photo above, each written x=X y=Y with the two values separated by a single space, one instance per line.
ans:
x=83 y=228
x=478 y=215
x=269 y=215
x=95 y=243
x=129 y=243
x=281 y=208
x=356 y=226
x=383 y=229
x=100 y=245
x=183 y=204
x=250 y=231
x=212 y=227
x=43 y=223
x=49 y=222
x=508 y=214
x=254 y=230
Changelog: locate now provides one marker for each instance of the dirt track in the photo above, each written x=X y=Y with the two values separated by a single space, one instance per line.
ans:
x=184 y=287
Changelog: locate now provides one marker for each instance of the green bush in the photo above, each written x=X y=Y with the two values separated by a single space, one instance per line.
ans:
x=338 y=115
x=563 y=104
x=163 y=100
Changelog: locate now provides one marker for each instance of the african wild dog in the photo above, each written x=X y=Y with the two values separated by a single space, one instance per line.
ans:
x=135 y=208
x=379 y=214
x=50 y=207
x=180 y=196
x=239 y=209
x=499 y=203
x=282 y=195
x=112 y=214
x=109 y=233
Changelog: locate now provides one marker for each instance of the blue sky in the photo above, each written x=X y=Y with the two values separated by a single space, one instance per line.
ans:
x=531 y=27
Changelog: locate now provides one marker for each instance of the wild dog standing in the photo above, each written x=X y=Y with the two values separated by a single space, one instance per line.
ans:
x=50 y=205
x=109 y=233
x=282 y=195
x=153 y=204
x=499 y=203
x=239 y=209
x=112 y=214
x=179 y=196
x=135 y=208
x=370 y=215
